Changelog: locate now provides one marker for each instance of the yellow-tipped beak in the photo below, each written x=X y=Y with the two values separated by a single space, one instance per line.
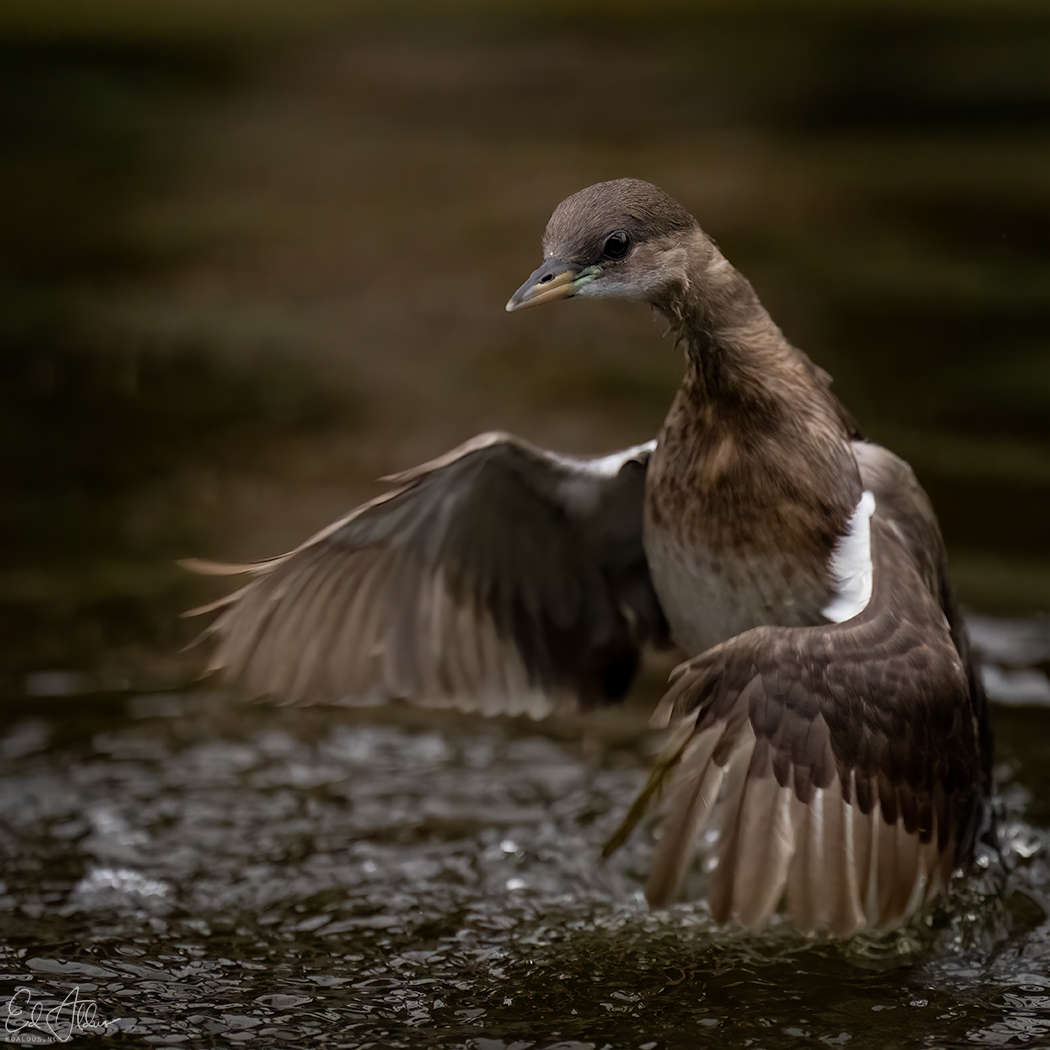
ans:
x=555 y=279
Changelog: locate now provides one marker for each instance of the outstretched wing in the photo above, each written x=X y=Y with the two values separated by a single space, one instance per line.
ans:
x=841 y=764
x=498 y=578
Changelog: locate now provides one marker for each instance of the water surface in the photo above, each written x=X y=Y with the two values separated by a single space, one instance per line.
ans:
x=206 y=871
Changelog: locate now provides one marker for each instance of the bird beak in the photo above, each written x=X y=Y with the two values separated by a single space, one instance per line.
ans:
x=555 y=279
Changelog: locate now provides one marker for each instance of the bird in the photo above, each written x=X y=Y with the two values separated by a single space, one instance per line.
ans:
x=828 y=740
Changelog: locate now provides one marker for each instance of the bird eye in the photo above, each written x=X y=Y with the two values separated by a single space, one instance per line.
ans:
x=617 y=245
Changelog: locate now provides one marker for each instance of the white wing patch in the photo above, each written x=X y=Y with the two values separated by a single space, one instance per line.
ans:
x=582 y=489
x=851 y=567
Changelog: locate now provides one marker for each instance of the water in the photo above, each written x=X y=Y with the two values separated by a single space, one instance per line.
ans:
x=205 y=871
x=250 y=270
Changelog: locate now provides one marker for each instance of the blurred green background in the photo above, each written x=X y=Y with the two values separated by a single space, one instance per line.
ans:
x=254 y=255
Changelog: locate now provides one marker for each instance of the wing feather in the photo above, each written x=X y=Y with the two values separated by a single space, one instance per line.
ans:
x=848 y=756
x=695 y=793
x=498 y=577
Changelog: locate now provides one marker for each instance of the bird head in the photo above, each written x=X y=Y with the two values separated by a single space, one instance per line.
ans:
x=623 y=239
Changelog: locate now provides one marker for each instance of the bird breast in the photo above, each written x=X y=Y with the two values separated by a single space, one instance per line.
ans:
x=710 y=596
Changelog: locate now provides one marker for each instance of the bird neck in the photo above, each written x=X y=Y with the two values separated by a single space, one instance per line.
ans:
x=736 y=355
x=755 y=452
x=731 y=342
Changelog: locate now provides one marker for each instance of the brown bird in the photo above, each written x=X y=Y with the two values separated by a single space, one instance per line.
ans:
x=829 y=727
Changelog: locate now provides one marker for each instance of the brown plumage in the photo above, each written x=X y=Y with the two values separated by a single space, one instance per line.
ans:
x=829 y=723
x=498 y=578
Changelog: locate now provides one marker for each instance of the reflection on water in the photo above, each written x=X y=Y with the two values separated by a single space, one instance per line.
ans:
x=1011 y=651
x=209 y=872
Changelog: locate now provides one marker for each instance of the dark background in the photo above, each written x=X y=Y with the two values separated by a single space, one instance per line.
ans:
x=250 y=262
